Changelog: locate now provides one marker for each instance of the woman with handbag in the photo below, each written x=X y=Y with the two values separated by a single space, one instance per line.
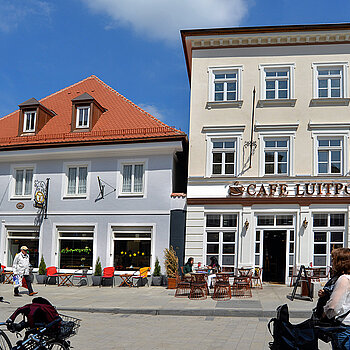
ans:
x=20 y=268
x=338 y=304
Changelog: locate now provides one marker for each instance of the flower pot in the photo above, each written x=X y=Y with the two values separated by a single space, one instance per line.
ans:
x=172 y=283
x=40 y=279
x=96 y=280
x=156 y=280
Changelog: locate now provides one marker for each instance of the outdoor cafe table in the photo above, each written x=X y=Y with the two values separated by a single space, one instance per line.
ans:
x=126 y=280
x=8 y=276
x=65 y=279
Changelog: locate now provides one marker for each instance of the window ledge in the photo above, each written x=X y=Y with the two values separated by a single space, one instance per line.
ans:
x=131 y=194
x=277 y=103
x=72 y=196
x=224 y=104
x=329 y=175
x=16 y=198
x=329 y=102
x=222 y=176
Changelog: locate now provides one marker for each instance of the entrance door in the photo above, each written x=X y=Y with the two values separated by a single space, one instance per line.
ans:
x=274 y=258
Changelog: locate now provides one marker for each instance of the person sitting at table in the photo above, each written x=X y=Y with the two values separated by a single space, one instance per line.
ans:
x=187 y=269
x=213 y=267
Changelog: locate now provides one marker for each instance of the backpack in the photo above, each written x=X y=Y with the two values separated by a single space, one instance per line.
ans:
x=40 y=312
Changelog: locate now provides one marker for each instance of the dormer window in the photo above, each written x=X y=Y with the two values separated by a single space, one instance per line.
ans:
x=29 y=121
x=82 y=118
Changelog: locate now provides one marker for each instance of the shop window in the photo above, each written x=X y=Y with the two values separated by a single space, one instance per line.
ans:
x=221 y=238
x=16 y=239
x=329 y=234
x=75 y=248
x=132 y=248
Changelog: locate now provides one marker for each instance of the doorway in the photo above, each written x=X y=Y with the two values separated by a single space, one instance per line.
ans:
x=274 y=256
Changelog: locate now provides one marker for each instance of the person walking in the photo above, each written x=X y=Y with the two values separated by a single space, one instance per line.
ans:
x=338 y=304
x=20 y=268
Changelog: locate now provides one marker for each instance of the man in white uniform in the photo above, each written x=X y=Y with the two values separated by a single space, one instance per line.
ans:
x=20 y=268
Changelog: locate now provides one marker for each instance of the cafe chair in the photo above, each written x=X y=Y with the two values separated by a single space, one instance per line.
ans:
x=241 y=287
x=222 y=288
x=199 y=287
x=51 y=275
x=183 y=286
x=141 y=277
x=80 y=278
x=256 y=278
x=107 y=276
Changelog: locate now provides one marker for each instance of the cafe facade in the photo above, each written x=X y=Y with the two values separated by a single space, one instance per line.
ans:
x=268 y=181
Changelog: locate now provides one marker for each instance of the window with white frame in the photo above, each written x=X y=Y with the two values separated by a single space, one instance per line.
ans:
x=223 y=157
x=328 y=234
x=23 y=181
x=276 y=156
x=277 y=82
x=329 y=155
x=77 y=180
x=221 y=238
x=132 y=178
x=330 y=81
x=224 y=84
x=82 y=119
x=29 y=121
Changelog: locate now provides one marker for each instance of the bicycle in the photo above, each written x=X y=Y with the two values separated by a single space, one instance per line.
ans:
x=47 y=337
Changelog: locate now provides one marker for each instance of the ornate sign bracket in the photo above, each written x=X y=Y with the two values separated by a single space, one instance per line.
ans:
x=41 y=196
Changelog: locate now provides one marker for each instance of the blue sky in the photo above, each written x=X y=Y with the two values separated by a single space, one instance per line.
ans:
x=132 y=45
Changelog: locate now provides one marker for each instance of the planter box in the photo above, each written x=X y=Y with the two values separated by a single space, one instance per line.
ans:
x=172 y=283
x=40 y=279
x=156 y=280
x=96 y=280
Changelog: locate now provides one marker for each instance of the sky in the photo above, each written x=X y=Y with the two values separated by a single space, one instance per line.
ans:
x=132 y=45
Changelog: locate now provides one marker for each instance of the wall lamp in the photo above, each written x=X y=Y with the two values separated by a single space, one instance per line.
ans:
x=246 y=224
x=305 y=223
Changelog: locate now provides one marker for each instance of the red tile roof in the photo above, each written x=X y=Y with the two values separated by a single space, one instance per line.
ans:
x=122 y=122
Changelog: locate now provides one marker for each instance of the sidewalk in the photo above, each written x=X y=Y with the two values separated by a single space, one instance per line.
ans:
x=160 y=301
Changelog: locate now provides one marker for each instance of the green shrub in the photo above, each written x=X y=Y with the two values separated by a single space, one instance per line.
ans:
x=42 y=266
x=156 y=271
x=98 y=268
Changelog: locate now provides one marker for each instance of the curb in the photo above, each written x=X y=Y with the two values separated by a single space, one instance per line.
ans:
x=190 y=312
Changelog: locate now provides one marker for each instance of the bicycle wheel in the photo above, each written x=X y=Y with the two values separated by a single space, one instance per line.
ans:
x=56 y=345
x=5 y=343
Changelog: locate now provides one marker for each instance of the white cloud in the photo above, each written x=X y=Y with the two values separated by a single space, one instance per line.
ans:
x=13 y=13
x=153 y=110
x=162 y=19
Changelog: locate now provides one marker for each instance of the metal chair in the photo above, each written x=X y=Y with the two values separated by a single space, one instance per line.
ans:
x=199 y=287
x=80 y=278
x=256 y=278
x=51 y=274
x=241 y=287
x=222 y=288
x=143 y=273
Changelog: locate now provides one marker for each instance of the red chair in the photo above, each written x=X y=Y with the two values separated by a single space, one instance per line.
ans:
x=108 y=275
x=51 y=273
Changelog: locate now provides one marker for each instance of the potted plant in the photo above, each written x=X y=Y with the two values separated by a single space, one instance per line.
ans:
x=156 y=276
x=171 y=266
x=96 y=278
x=40 y=278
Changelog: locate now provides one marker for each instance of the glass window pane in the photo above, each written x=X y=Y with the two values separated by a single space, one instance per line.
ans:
x=269 y=157
x=283 y=94
x=291 y=236
x=209 y=260
x=334 y=72
x=291 y=259
x=218 y=144
x=138 y=178
x=269 y=143
x=219 y=76
x=270 y=95
x=282 y=74
x=323 y=71
x=228 y=260
x=219 y=86
x=75 y=253
x=72 y=180
x=229 y=157
x=257 y=260
x=322 y=83
x=217 y=169
x=335 y=92
x=282 y=157
x=270 y=74
x=127 y=173
x=82 y=180
x=231 y=86
x=229 y=220
x=219 y=96
x=335 y=142
x=323 y=93
x=265 y=220
x=320 y=220
x=337 y=237
x=283 y=84
x=282 y=168
x=213 y=220
x=212 y=248
x=228 y=237
x=282 y=143
x=323 y=168
x=320 y=236
x=212 y=236
x=217 y=157
x=335 y=168
x=335 y=156
x=228 y=248
x=335 y=246
x=337 y=219
x=257 y=247
x=229 y=144
x=231 y=96
x=28 y=182
x=231 y=76
x=269 y=169
x=284 y=219
x=320 y=249
x=323 y=156
x=320 y=261
x=335 y=83
x=291 y=247
x=19 y=182
x=257 y=236
x=323 y=143
x=229 y=169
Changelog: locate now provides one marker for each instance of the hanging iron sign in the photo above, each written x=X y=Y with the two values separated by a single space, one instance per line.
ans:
x=40 y=193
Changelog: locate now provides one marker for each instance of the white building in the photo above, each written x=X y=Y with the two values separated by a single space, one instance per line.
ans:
x=112 y=170
x=273 y=192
